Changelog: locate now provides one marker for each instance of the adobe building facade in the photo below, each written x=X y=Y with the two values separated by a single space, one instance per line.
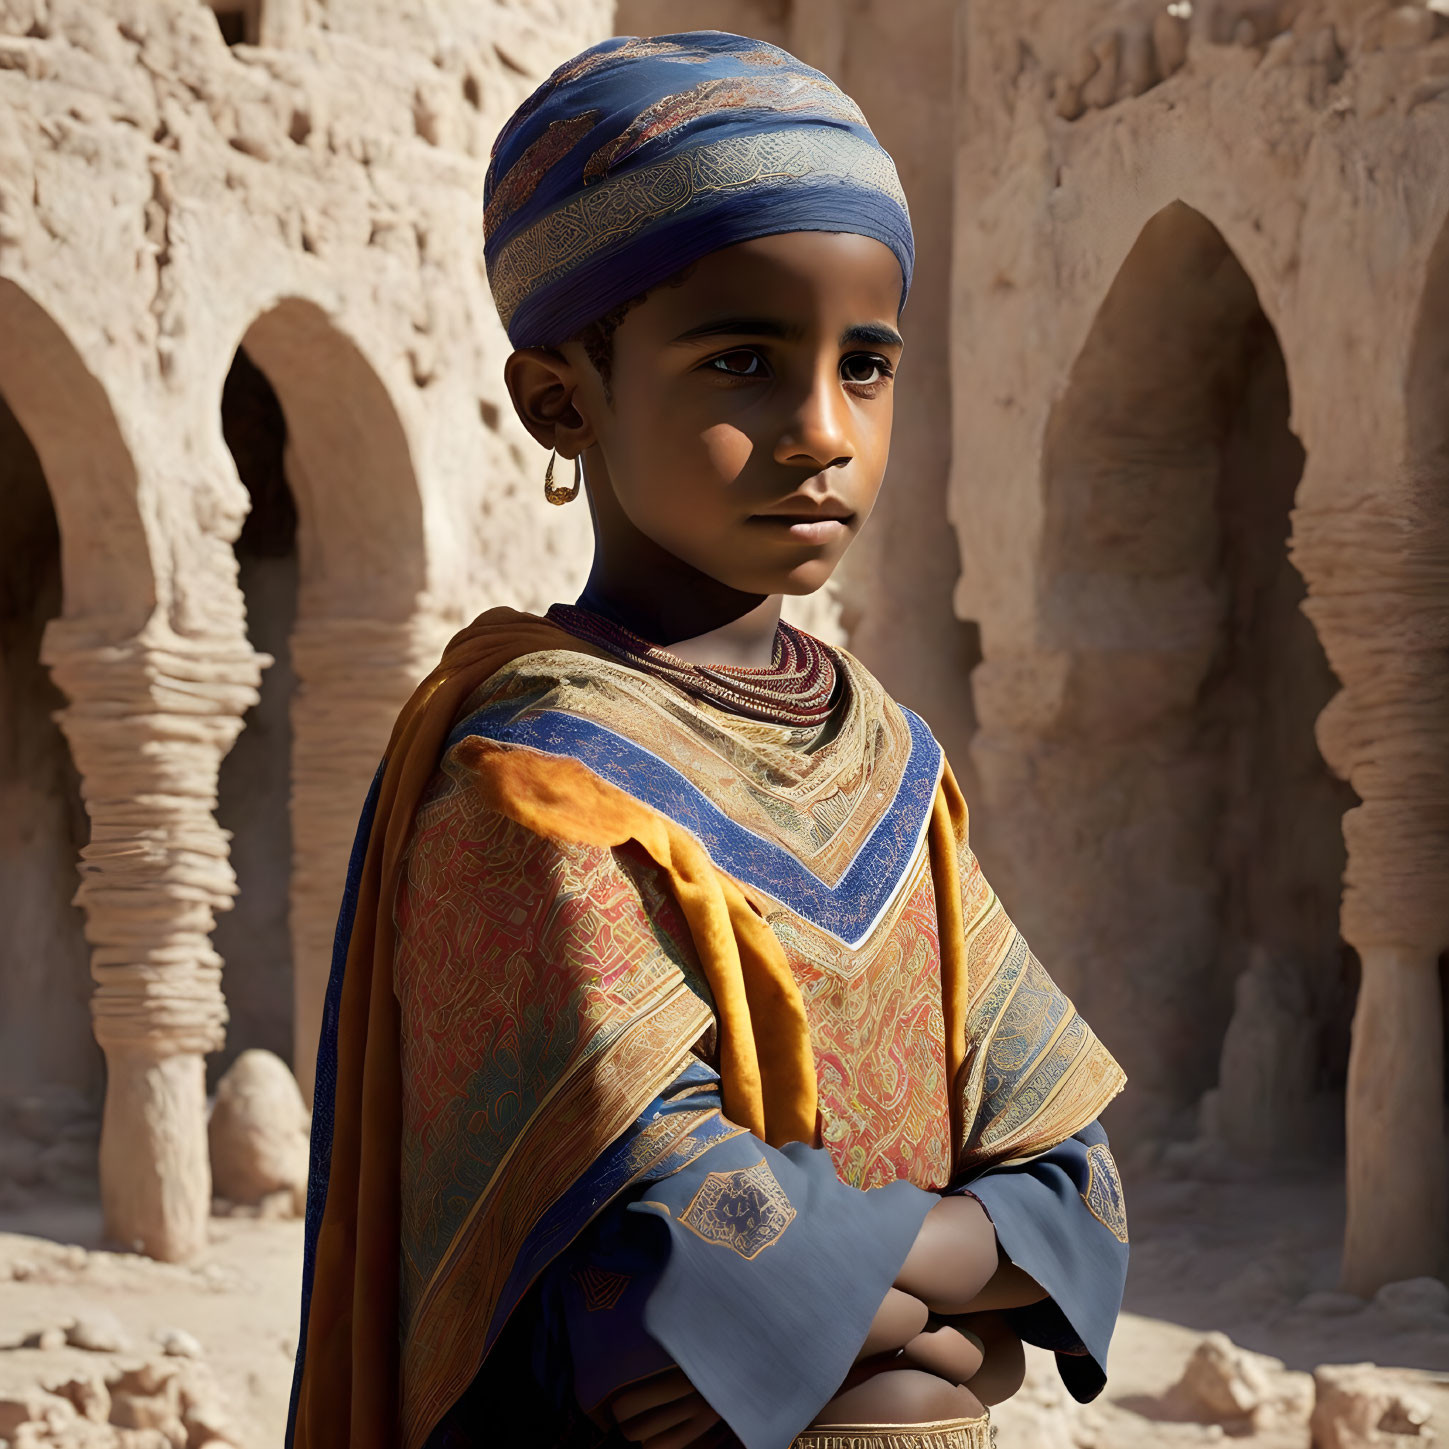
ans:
x=1163 y=554
x=257 y=468
x=1201 y=485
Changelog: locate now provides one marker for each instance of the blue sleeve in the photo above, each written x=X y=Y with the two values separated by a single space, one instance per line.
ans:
x=1062 y=1219
x=755 y=1270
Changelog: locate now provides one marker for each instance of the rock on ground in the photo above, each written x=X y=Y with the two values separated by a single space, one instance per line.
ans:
x=1225 y=1384
x=179 y=1343
x=259 y=1132
x=1359 y=1406
x=163 y=1403
x=1042 y=1415
x=98 y=1330
x=1415 y=1301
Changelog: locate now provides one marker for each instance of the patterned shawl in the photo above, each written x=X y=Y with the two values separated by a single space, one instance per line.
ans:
x=534 y=939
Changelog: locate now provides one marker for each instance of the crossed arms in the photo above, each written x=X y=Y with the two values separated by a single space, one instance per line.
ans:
x=937 y=1347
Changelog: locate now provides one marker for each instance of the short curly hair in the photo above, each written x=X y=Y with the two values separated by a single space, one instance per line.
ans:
x=597 y=339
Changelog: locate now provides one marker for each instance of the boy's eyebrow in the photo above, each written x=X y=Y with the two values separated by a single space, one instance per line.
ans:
x=744 y=327
x=868 y=333
x=872 y=332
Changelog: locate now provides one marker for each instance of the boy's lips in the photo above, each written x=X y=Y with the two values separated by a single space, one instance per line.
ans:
x=808 y=520
x=810 y=528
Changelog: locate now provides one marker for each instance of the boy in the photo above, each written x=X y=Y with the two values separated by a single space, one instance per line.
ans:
x=683 y=1082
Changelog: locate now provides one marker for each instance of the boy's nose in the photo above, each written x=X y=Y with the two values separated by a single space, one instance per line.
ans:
x=818 y=431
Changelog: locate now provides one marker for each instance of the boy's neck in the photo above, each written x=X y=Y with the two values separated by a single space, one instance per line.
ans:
x=710 y=624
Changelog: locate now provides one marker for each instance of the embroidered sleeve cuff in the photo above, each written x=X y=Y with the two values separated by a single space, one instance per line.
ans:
x=774 y=1271
x=1061 y=1218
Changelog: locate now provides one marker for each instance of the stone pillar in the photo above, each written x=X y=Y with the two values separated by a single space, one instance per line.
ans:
x=148 y=722
x=1379 y=596
x=353 y=676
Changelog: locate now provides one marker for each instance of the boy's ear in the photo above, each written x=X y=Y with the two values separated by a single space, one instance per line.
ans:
x=544 y=385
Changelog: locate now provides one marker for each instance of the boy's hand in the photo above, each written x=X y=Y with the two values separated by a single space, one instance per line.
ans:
x=1008 y=1287
x=664 y=1412
x=668 y=1412
x=945 y=1351
x=1002 y=1360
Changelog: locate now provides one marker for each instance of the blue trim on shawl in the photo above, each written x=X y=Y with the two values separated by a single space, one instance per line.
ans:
x=549 y=1242
x=558 y=1227
x=324 y=1091
x=848 y=910
x=610 y=1173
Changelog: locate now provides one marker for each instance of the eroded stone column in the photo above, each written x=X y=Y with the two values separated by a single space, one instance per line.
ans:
x=353 y=675
x=1379 y=595
x=148 y=722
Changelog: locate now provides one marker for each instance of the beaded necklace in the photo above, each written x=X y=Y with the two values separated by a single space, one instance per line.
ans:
x=798 y=687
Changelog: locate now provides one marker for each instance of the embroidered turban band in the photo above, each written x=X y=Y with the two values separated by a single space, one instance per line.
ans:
x=643 y=154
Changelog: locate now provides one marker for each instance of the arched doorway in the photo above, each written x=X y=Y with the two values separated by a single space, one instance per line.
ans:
x=254 y=788
x=345 y=615
x=1200 y=831
x=72 y=545
x=144 y=713
x=51 y=1070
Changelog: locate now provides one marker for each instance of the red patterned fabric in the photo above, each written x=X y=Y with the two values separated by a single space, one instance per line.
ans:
x=538 y=1009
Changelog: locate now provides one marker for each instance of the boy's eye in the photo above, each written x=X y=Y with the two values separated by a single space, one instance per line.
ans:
x=864 y=368
x=740 y=363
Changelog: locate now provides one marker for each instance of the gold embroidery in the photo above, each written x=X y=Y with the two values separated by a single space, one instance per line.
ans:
x=664 y=1137
x=522 y=178
x=979 y=1433
x=1103 y=1197
x=602 y=1289
x=879 y=1038
x=777 y=93
x=1033 y=1074
x=615 y=210
x=637 y=48
x=745 y=1210
x=821 y=806
x=763 y=55
x=1038 y=1072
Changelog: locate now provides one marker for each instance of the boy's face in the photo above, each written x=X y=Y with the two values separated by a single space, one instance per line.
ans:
x=749 y=416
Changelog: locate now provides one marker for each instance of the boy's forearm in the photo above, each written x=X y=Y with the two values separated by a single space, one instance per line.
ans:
x=954 y=1257
x=1008 y=1287
x=956 y=1265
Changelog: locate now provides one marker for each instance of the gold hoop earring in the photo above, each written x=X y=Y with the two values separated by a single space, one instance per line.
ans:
x=552 y=491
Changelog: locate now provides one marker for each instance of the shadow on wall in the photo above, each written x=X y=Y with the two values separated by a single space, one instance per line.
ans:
x=48 y=1052
x=254 y=938
x=333 y=564
x=1428 y=415
x=240 y=21
x=1201 y=828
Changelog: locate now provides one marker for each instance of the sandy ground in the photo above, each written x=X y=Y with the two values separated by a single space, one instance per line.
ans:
x=241 y=1303
x=1240 y=1258
x=1236 y=1257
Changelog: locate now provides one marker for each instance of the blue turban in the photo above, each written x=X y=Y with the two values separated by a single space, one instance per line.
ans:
x=644 y=153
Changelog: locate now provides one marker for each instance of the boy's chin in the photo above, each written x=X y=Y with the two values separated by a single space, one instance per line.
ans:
x=809 y=578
